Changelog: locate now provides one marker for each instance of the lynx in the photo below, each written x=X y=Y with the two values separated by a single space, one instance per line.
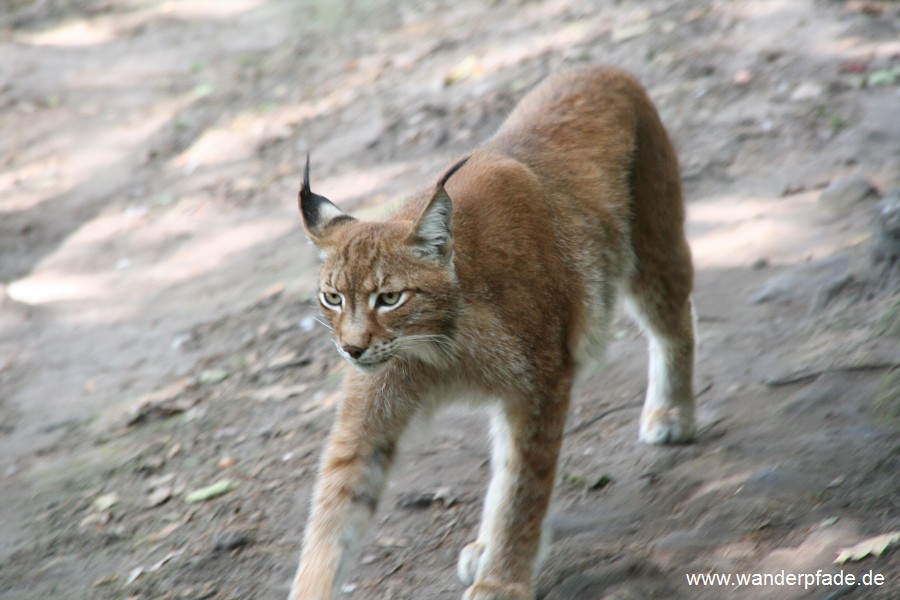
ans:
x=494 y=286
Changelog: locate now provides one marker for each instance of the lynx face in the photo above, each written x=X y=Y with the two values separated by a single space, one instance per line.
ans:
x=388 y=289
x=384 y=301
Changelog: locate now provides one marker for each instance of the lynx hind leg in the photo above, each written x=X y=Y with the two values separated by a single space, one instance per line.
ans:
x=659 y=300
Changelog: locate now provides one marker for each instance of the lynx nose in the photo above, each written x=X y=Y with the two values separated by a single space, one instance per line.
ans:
x=354 y=351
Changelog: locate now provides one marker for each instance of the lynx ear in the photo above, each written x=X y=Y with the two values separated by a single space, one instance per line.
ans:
x=431 y=236
x=318 y=212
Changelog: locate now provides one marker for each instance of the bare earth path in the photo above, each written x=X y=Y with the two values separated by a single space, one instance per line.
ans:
x=158 y=335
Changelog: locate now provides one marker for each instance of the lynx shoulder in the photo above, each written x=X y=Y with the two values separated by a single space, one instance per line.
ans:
x=495 y=284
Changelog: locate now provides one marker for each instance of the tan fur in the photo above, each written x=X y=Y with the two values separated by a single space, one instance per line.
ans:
x=576 y=197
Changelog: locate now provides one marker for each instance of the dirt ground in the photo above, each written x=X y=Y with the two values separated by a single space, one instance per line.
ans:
x=157 y=321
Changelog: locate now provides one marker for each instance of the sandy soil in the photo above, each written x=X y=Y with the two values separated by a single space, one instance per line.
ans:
x=158 y=334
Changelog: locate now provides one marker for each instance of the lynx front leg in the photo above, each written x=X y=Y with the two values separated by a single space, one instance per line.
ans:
x=470 y=559
x=501 y=564
x=351 y=478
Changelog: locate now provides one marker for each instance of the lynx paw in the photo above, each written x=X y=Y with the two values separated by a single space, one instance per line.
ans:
x=469 y=561
x=487 y=590
x=667 y=426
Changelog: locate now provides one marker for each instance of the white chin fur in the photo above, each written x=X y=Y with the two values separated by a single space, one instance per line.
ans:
x=429 y=352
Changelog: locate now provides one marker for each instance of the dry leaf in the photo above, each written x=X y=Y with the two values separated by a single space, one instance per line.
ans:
x=105 y=502
x=211 y=376
x=217 y=489
x=874 y=546
x=164 y=532
x=468 y=68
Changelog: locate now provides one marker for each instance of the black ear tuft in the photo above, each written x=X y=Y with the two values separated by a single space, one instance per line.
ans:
x=318 y=212
x=443 y=180
x=305 y=192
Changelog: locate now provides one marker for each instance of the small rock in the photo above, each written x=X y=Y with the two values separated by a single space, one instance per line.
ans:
x=225 y=433
x=288 y=360
x=174 y=450
x=684 y=541
x=808 y=90
x=630 y=31
x=160 y=490
x=159 y=496
x=133 y=575
x=843 y=193
x=775 y=480
x=445 y=496
x=273 y=291
x=212 y=376
x=392 y=542
x=837 y=481
x=105 y=502
x=743 y=77
x=416 y=500
x=599 y=483
x=777 y=288
x=832 y=289
x=225 y=541
x=421 y=500
x=886 y=242
x=164 y=532
x=97 y=518
x=163 y=403
x=105 y=580
x=150 y=464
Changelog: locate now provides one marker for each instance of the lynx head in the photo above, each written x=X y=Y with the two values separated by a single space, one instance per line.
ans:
x=388 y=288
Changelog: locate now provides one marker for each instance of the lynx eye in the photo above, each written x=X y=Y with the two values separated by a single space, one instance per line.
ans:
x=332 y=299
x=388 y=298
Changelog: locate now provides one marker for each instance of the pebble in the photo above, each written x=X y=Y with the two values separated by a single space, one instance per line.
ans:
x=843 y=193
x=807 y=90
x=691 y=541
x=832 y=289
x=886 y=241
x=777 y=288
x=159 y=496
x=416 y=500
x=229 y=540
x=420 y=500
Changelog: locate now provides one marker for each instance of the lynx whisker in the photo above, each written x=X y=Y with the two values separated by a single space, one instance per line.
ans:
x=435 y=349
x=441 y=342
